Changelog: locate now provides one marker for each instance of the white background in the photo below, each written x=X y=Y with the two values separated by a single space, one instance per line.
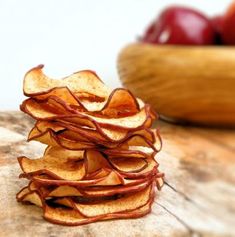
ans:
x=69 y=35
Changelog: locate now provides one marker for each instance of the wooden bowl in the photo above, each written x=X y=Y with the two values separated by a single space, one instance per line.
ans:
x=195 y=84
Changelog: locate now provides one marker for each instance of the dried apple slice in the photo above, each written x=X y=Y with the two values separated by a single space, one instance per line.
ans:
x=60 y=152
x=43 y=126
x=102 y=205
x=119 y=135
x=94 y=161
x=96 y=135
x=46 y=137
x=24 y=191
x=79 y=133
x=113 y=178
x=108 y=191
x=81 y=83
x=48 y=180
x=64 y=94
x=132 y=151
x=34 y=198
x=147 y=171
x=135 y=146
x=160 y=182
x=121 y=102
x=70 y=217
x=65 y=190
x=134 y=168
x=49 y=138
x=123 y=164
x=59 y=168
x=46 y=132
x=137 y=140
x=106 y=179
x=132 y=122
x=26 y=195
x=73 y=145
x=126 y=203
x=40 y=111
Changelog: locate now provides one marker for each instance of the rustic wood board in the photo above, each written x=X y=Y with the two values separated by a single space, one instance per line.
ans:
x=198 y=198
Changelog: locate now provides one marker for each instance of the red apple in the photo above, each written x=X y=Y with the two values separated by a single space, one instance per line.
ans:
x=180 y=25
x=228 y=25
x=149 y=33
x=217 y=23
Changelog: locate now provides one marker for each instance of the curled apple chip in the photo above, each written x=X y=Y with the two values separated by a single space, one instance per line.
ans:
x=36 y=83
x=60 y=152
x=122 y=164
x=70 y=137
x=128 y=202
x=72 y=217
x=48 y=137
x=43 y=110
x=62 y=168
x=136 y=146
x=34 y=198
x=61 y=191
x=113 y=204
x=84 y=134
x=43 y=179
x=66 y=190
x=75 y=212
x=94 y=161
x=26 y=195
x=106 y=179
x=24 y=191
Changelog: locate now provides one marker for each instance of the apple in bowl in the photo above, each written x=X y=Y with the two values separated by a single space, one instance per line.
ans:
x=184 y=65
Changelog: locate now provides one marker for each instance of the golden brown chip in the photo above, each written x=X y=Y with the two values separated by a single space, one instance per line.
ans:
x=85 y=82
x=64 y=191
x=41 y=111
x=24 y=191
x=108 y=191
x=59 y=168
x=107 y=179
x=94 y=161
x=125 y=203
x=50 y=138
x=63 y=216
x=34 y=198
x=60 y=152
x=26 y=195
x=121 y=103
x=99 y=135
x=123 y=164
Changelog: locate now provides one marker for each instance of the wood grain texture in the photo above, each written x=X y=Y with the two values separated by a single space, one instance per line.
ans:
x=198 y=198
x=194 y=84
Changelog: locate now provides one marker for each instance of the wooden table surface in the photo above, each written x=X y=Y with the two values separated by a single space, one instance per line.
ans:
x=198 y=198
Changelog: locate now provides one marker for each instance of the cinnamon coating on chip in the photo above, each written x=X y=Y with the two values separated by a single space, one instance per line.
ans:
x=100 y=161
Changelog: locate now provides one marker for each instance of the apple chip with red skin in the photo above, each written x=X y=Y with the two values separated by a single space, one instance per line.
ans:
x=76 y=211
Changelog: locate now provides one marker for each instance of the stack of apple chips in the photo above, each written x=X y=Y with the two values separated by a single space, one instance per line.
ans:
x=100 y=161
